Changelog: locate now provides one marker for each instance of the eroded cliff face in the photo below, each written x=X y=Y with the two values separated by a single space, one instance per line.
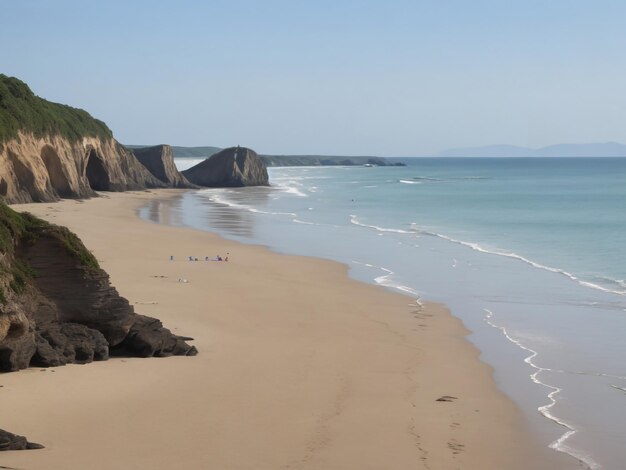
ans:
x=231 y=167
x=159 y=161
x=40 y=169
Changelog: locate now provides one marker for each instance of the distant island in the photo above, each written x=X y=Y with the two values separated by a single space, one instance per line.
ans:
x=285 y=160
x=606 y=149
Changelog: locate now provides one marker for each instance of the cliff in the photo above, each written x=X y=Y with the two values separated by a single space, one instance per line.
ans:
x=159 y=161
x=231 y=167
x=57 y=306
x=50 y=151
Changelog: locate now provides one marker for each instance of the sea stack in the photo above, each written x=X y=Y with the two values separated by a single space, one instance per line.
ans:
x=232 y=167
x=159 y=161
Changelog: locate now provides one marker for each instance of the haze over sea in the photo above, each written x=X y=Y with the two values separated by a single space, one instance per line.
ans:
x=529 y=253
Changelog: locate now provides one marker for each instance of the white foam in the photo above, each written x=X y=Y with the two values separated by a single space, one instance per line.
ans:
x=559 y=444
x=409 y=182
x=293 y=190
x=354 y=220
x=216 y=196
x=479 y=248
x=385 y=280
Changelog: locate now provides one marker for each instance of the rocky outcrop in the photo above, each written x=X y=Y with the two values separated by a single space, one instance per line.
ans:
x=159 y=161
x=39 y=169
x=231 y=167
x=58 y=307
x=10 y=441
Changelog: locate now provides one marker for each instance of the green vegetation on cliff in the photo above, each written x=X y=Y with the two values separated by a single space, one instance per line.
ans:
x=21 y=110
x=18 y=228
x=15 y=226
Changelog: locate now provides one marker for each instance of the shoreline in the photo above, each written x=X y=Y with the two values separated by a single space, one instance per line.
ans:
x=299 y=366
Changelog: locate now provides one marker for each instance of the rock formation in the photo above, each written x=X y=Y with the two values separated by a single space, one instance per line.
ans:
x=159 y=161
x=10 y=441
x=57 y=306
x=45 y=320
x=231 y=167
x=40 y=169
x=50 y=151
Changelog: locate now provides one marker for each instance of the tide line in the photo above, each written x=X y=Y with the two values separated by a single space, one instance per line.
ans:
x=385 y=280
x=559 y=444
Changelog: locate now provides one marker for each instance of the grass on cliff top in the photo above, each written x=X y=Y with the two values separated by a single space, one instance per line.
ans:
x=21 y=110
x=15 y=226
x=18 y=227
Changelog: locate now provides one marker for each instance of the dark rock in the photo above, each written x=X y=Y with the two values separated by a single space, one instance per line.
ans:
x=74 y=292
x=10 y=441
x=16 y=353
x=64 y=309
x=159 y=161
x=231 y=167
x=47 y=355
x=147 y=337
x=69 y=343
x=17 y=339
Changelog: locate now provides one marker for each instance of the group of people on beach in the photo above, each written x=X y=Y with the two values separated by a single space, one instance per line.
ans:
x=206 y=258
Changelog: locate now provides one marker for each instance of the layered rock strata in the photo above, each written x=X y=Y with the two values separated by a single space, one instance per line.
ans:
x=231 y=167
x=39 y=169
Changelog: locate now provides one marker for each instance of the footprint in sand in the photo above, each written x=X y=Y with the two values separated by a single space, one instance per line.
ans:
x=455 y=446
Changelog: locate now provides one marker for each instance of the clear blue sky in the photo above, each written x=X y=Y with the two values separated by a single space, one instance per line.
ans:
x=381 y=77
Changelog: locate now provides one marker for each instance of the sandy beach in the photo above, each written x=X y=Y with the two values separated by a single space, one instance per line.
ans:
x=299 y=367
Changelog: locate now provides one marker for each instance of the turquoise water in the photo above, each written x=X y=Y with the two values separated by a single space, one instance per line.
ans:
x=529 y=253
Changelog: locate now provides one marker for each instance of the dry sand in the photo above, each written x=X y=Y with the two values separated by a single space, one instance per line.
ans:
x=299 y=368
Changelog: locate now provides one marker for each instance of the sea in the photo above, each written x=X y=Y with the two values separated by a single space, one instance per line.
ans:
x=530 y=253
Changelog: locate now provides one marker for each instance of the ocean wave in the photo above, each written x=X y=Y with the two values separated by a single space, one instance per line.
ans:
x=217 y=198
x=292 y=190
x=386 y=281
x=354 y=220
x=507 y=254
x=430 y=179
x=416 y=230
x=545 y=410
x=426 y=178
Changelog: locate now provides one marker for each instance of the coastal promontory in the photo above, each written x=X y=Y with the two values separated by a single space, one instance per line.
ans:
x=50 y=151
